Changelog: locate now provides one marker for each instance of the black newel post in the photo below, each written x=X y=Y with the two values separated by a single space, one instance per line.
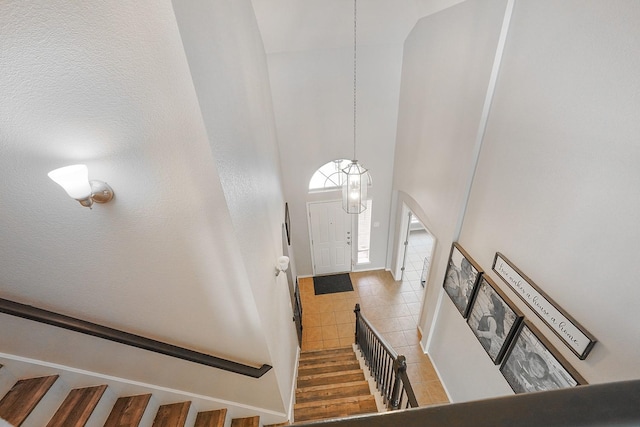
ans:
x=399 y=366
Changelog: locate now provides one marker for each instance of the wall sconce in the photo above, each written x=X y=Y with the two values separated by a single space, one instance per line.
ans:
x=75 y=181
x=283 y=264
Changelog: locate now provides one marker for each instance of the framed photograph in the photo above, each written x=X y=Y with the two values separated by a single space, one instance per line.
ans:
x=493 y=319
x=461 y=278
x=287 y=223
x=531 y=364
x=577 y=338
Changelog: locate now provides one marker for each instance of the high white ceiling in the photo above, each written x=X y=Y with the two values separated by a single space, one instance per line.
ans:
x=295 y=25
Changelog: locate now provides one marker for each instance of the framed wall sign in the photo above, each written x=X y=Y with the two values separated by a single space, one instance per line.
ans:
x=531 y=364
x=493 y=319
x=578 y=339
x=461 y=278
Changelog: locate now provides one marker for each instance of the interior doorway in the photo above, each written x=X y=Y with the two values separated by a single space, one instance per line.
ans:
x=415 y=251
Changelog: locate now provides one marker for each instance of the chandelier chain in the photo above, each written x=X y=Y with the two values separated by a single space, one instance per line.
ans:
x=355 y=21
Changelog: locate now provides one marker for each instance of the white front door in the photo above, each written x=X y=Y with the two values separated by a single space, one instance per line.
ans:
x=330 y=232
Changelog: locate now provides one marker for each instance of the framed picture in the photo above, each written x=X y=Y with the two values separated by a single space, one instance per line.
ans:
x=461 y=278
x=576 y=337
x=531 y=364
x=493 y=319
x=287 y=223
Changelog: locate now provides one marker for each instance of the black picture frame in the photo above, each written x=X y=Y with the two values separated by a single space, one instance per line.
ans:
x=287 y=223
x=532 y=364
x=493 y=318
x=461 y=278
x=572 y=334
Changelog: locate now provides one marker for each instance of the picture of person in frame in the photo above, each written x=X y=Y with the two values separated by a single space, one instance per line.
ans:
x=459 y=280
x=531 y=367
x=490 y=329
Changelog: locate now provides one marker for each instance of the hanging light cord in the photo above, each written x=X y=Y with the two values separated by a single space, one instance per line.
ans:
x=355 y=10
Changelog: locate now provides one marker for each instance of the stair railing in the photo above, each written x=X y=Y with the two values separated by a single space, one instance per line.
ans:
x=388 y=369
x=71 y=323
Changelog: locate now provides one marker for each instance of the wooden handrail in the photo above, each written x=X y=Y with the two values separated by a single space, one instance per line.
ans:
x=71 y=323
x=388 y=369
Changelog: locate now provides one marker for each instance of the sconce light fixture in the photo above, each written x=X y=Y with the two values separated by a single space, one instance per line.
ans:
x=283 y=264
x=75 y=181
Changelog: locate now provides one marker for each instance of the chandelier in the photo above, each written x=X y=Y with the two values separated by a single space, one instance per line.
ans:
x=354 y=188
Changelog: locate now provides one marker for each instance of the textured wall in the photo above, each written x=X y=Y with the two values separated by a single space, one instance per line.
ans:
x=109 y=85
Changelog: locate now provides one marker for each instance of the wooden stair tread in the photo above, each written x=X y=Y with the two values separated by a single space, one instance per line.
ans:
x=330 y=386
x=330 y=378
x=333 y=409
x=128 y=411
x=327 y=358
x=77 y=407
x=327 y=403
x=246 y=422
x=337 y=350
x=211 y=418
x=172 y=415
x=23 y=397
x=332 y=391
x=328 y=367
x=335 y=353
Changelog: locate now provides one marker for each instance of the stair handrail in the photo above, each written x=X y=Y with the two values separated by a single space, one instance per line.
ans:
x=388 y=368
x=73 y=324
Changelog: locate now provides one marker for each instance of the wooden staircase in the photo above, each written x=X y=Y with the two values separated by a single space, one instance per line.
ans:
x=77 y=408
x=331 y=385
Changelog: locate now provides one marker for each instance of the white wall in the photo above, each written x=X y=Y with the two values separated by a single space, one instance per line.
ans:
x=109 y=84
x=447 y=63
x=231 y=80
x=313 y=104
x=554 y=190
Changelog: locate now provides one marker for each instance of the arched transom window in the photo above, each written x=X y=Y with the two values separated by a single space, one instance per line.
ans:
x=330 y=176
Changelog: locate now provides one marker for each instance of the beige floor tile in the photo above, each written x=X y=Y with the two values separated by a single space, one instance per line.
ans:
x=312 y=319
x=413 y=337
x=413 y=353
x=312 y=333
x=395 y=339
x=344 y=342
x=346 y=316
x=407 y=323
x=410 y=297
x=312 y=345
x=327 y=318
x=438 y=395
x=331 y=343
x=345 y=330
x=387 y=325
x=414 y=307
x=330 y=332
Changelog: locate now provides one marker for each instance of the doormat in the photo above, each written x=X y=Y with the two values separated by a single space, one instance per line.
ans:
x=332 y=284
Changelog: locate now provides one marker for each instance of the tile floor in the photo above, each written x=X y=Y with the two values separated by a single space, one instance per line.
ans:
x=392 y=307
x=418 y=256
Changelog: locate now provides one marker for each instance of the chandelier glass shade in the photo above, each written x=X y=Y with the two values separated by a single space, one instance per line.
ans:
x=354 y=189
